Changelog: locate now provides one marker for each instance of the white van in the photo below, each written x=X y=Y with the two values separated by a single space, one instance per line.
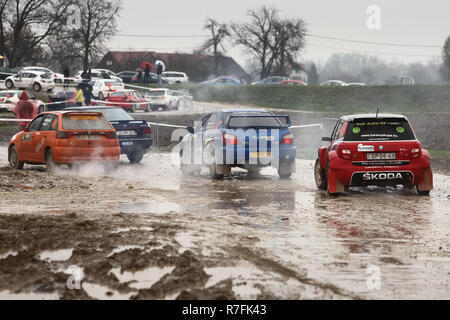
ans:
x=175 y=77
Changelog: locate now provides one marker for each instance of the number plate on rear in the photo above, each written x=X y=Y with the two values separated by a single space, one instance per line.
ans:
x=126 y=133
x=260 y=154
x=381 y=156
x=89 y=138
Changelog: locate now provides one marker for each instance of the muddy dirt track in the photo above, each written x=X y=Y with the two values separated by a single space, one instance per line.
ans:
x=148 y=232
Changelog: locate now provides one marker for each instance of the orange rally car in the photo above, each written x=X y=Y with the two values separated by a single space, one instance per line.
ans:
x=54 y=138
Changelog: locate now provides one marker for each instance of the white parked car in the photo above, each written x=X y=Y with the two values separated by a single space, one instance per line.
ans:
x=102 y=87
x=9 y=98
x=173 y=77
x=162 y=99
x=97 y=74
x=31 y=79
x=334 y=83
x=57 y=77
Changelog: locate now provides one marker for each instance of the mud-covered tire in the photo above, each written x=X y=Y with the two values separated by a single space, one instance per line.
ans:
x=37 y=87
x=9 y=84
x=320 y=176
x=136 y=156
x=422 y=193
x=50 y=161
x=13 y=159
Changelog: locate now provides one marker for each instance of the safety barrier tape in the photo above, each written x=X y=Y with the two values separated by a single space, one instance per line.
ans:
x=307 y=126
x=120 y=103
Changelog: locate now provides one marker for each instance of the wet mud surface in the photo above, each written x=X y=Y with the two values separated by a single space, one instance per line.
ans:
x=148 y=232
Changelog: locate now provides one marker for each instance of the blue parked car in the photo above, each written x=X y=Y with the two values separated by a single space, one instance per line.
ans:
x=222 y=81
x=135 y=136
x=246 y=138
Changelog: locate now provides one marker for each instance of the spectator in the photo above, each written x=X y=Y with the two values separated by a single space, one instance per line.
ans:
x=105 y=75
x=25 y=109
x=89 y=75
x=79 y=97
x=160 y=68
x=147 y=74
x=139 y=76
x=87 y=93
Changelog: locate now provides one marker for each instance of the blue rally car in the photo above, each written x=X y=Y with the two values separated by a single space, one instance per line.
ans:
x=135 y=136
x=246 y=138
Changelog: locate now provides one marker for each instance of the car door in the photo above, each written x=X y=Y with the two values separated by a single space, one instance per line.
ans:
x=30 y=139
x=19 y=80
x=46 y=136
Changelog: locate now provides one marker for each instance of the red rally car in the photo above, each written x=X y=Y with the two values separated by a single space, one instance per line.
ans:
x=373 y=150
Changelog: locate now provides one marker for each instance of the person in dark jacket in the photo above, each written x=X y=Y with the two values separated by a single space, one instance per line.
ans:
x=25 y=109
x=87 y=93
x=147 y=74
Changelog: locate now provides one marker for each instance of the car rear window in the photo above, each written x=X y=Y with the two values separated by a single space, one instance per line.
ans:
x=45 y=76
x=157 y=93
x=379 y=130
x=85 y=122
x=253 y=120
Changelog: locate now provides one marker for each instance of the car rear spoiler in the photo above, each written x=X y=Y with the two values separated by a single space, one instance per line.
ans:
x=288 y=120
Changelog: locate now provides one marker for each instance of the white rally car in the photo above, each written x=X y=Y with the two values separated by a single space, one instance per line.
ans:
x=101 y=88
x=57 y=77
x=9 y=98
x=31 y=79
x=163 y=99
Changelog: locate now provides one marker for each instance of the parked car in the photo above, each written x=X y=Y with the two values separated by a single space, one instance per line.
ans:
x=100 y=88
x=126 y=76
x=373 y=150
x=129 y=100
x=293 y=83
x=334 y=83
x=98 y=74
x=135 y=136
x=173 y=77
x=31 y=79
x=9 y=98
x=56 y=138
x=57 y=77
x=61 y=100
x=270 y=81
x=222 y=81
x=162 y=99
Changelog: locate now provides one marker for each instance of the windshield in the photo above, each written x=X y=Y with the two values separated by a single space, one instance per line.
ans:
x=379 y=130
x=85 y=122
x=253 y=120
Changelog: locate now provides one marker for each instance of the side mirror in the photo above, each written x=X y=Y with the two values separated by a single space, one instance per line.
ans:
x=190 y=130
x=326 y=139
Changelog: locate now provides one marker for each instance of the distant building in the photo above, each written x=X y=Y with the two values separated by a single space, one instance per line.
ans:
x=198 y=67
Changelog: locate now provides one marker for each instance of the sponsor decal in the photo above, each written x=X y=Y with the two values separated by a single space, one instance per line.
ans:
x=382 y=176
x=356 y=130
x=400 y=130
x=363 y=148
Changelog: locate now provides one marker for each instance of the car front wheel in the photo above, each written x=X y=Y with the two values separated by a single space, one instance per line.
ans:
x=423 y=192
x=37 y=87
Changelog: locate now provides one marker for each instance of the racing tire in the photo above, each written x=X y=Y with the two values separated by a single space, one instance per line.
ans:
x=136 y=156
x=320 y=176
x=37 y=87
x=422 y=193
x=13 y=159
x=9 y=84
x=285 y=173
x=50 y=161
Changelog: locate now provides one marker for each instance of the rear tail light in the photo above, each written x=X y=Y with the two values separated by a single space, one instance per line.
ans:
x=147 y=132
x=230 y=139
x=288 y=139
x=63 y=135
x=345 y=154
x=415 y=153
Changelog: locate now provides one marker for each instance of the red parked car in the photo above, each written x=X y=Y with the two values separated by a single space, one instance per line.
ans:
x=373 y=150
x=130 y=100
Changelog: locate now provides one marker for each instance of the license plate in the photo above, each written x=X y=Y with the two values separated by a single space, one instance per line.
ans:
x=127 y=143
x=126 y=133
x=260 y=155
x=381 y=156
x=89 y=138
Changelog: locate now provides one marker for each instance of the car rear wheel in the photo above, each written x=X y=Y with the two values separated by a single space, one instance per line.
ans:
x=320 y=176
x=9 y=84
x=136 y=156
x=50 y=161
x=422 y=193
x=14 y=159
x=37 y=87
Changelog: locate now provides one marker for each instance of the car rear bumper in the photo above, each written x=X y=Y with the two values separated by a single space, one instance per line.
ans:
x=416 y=172
x=257 y=157
x=131 y=145
x=68 y=155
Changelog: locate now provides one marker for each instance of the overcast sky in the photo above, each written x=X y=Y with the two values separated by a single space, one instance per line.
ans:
x=415 y=22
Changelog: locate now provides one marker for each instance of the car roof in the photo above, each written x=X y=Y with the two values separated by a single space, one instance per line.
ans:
x=243 y=110
x=373 y=116
x=92 y=107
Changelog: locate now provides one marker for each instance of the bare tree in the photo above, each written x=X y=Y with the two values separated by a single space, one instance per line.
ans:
x=445 y=71
x=218 y=34
x=275 y=42
x=26 y=24
x=98 y=25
